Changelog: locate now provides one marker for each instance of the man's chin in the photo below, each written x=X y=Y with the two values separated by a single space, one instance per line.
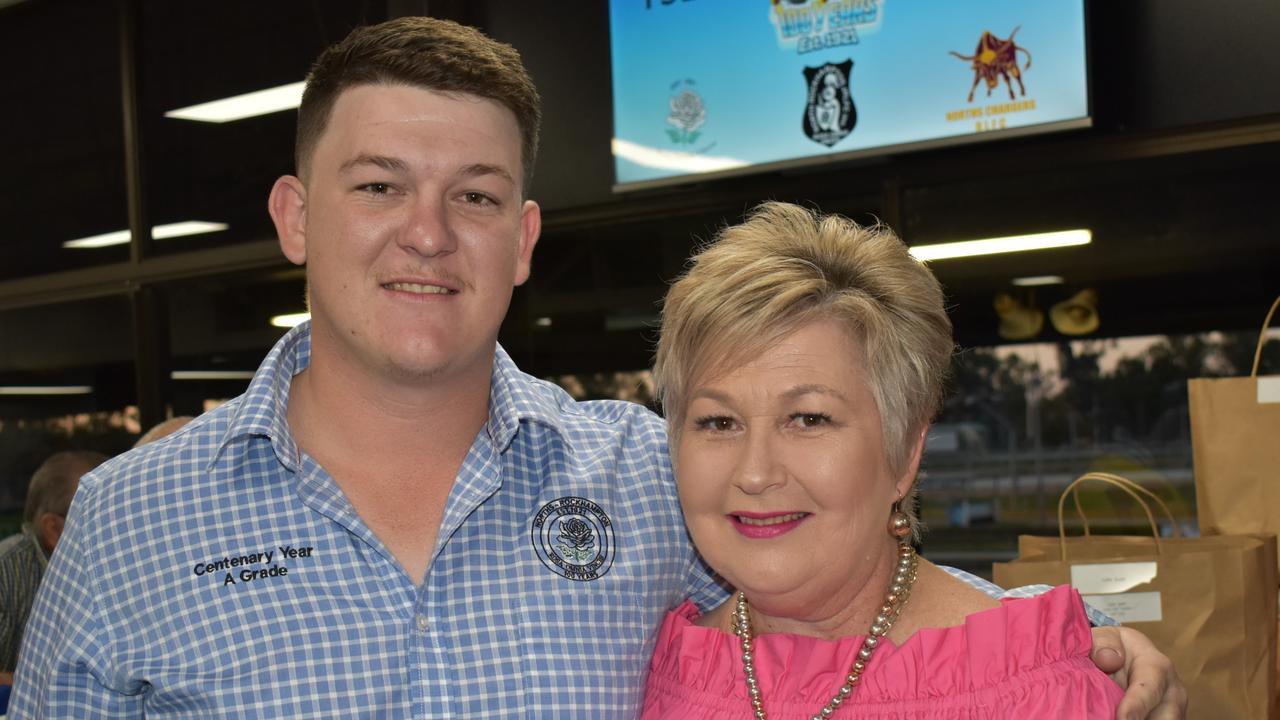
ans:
x=425 y=366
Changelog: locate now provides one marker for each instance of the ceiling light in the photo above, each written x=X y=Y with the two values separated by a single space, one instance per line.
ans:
x=211 y=374
x=238 y=107
x=45 y=389
x=1037 y=280
x=993 y=246
x=159 y=232
x=542 y=322
x=291 y=320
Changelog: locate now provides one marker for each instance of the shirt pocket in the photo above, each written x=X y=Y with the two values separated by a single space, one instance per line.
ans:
x=585 y=652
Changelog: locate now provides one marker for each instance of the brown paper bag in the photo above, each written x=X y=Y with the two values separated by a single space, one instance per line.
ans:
x=1208 y=603
x=1235 y=442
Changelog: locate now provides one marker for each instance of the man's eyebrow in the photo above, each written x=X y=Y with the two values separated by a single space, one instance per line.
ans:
x=477 y=169
x=813 y=388
x=389 y=164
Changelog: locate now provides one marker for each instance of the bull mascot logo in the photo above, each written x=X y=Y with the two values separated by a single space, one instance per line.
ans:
x=996 y=58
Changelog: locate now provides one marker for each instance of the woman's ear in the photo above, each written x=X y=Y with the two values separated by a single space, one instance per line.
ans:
x=908 y=477
x=288 y=207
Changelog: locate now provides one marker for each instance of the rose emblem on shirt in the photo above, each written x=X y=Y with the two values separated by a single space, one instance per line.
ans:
x=576 y=540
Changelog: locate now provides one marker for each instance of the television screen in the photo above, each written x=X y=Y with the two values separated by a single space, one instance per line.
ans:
x=707 y=88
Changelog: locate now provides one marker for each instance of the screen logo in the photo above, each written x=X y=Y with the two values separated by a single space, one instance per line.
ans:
x=993 y=59
x=829 y=113
x=688 y=114
x=812 y=25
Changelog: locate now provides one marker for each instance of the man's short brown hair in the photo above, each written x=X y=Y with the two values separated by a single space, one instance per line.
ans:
x=423 y=52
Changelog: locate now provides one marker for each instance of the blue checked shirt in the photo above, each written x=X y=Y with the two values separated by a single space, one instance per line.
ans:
x=221 y=573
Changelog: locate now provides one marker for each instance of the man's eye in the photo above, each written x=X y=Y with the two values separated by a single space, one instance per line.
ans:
x=375 y=188
x=478 y=198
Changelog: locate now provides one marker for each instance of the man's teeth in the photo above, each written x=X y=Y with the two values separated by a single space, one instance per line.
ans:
x=416 y=288
x=775 y=520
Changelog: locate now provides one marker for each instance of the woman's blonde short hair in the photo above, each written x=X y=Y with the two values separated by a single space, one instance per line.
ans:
x=787 y=266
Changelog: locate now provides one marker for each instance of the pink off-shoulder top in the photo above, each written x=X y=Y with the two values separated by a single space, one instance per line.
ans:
x=1028 y=658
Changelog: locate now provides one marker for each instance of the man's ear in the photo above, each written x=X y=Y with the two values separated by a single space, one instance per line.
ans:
x=288 y=207
x=49 y=529
x=530 y=229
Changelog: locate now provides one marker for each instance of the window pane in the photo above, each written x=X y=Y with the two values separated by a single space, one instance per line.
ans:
x=60 y=135
x=1023 y=421
x=218 y=174
x=220 y=330
x=66 y=382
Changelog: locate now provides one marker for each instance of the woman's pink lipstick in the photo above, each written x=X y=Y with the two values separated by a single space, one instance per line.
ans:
x=761 y=526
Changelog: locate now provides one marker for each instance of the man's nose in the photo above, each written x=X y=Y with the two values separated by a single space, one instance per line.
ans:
x=428 y=230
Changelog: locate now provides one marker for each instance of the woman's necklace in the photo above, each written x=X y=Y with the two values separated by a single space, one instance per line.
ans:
x=899 y=591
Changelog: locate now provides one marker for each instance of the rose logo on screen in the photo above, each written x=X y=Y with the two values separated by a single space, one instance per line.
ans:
x=688 y=113
x=995 y=58
x=829 y=113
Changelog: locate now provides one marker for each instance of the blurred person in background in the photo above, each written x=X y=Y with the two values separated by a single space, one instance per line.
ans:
x=163 y=429
x=23 y=557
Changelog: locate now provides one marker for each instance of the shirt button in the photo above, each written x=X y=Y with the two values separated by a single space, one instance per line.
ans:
x=422 y=623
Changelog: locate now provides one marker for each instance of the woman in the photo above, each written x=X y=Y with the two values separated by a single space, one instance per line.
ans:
x=800 y=363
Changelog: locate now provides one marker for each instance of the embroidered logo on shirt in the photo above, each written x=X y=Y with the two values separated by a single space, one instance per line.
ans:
x=573 y=538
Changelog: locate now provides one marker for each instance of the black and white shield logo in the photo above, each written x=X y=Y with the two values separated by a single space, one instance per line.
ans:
x=829 y=114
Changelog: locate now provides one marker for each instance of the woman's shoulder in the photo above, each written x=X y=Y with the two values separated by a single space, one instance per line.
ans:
x=939 y=600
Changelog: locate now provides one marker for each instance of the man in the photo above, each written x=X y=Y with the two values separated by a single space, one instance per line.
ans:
x=393 y=521
x=23 y=557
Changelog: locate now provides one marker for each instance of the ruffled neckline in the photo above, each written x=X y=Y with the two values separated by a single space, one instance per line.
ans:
x=991 y=648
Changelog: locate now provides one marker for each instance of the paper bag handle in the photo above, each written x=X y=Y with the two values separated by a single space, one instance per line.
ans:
x=1123 y=484
x=1262 y=337
x=1084 y=520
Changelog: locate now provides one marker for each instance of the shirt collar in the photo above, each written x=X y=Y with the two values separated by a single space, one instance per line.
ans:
x=263 y=409
x=515 y=397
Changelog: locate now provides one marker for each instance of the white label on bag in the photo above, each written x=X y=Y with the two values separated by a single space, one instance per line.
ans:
x=1269 y=389
x=1129 y=607
x=1100 y=578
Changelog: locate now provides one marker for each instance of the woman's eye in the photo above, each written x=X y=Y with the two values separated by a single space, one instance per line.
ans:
x=718 y=423
x=810 y=420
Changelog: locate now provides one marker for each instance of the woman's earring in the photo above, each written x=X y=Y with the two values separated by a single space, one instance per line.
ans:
x=899 y=523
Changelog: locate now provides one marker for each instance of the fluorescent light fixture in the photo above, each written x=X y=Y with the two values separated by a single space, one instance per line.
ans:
x=291 y=320
x=238 y=107
x=1037 y=280
x=159 y=232
x=211 y=374
x=45 y=389
x=993 y=246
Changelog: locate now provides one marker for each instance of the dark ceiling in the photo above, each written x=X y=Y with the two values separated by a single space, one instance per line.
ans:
x=1177 y=180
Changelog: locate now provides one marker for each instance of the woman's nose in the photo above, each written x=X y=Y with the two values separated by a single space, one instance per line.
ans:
x=759 y=466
